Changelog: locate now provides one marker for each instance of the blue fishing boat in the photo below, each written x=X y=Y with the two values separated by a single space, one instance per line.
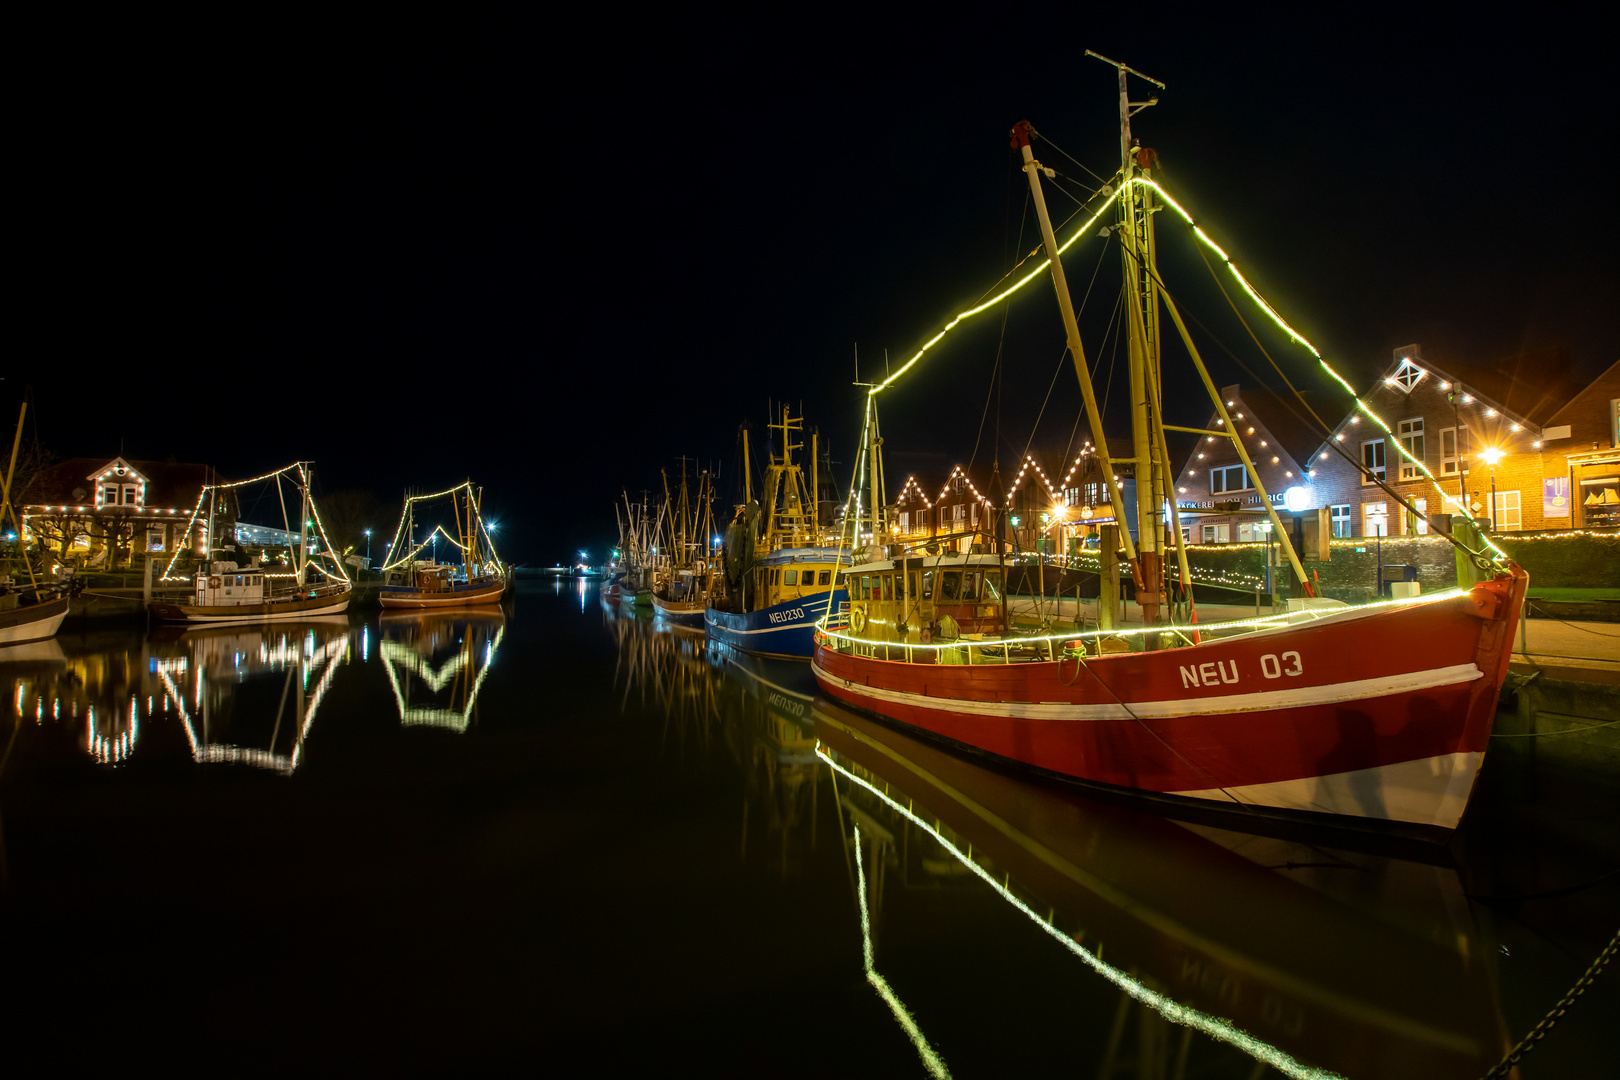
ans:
x=777 y=574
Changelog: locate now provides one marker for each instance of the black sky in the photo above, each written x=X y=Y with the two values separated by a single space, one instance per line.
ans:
x=554 y=254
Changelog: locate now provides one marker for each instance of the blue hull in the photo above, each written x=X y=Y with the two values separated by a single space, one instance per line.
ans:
x=786 y=629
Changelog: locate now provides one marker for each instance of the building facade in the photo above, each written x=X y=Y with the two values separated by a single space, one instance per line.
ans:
x=91 y=512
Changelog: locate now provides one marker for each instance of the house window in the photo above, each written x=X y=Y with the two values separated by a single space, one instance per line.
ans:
x=1453 y=451
x=1216 y=534
x=109 y=494
x=1411 y=436
x=959 y=512
x=1246 y=534
x=1407 y=376
x=1375 y=519
x=1071 y=496
x=154 y=538
x=975 y=513
x=905 y=520
x=1505 y=516
x=1416 y=523
x=1231 y=478
x=956 y=483
x=1372 y=460
x=1340 y=516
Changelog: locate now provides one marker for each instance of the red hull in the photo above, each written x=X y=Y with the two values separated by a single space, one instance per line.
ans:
x=1383 y=713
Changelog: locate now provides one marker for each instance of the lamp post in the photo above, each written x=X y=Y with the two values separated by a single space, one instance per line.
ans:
x=1492 y=456
x=368 y=547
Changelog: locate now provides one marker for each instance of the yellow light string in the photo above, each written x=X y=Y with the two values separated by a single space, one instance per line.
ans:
x=994 y=300
x=1283 y=619
x=329 y=552
x=1265 y=306
x=1172 y=1010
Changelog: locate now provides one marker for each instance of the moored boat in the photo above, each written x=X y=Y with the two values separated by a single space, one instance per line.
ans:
x=777 y=576
x=1372 y=715
x=32 y=622
x=224 y=589
x=411 y=582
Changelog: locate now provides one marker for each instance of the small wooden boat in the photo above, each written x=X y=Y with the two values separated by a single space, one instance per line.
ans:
x=480 y=578
x=434 y=586
x=235 y=595
x=32 y=622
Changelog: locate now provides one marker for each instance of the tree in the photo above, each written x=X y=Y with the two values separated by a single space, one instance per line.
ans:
x=348 y=514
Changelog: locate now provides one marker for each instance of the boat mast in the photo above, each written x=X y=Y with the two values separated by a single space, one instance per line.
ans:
x=303 y=523
x=1060 y=284
x=873 y=452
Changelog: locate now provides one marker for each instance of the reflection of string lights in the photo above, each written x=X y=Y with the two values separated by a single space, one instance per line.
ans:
x=394 y=653
x=931 y=1060
x=1170 y=1009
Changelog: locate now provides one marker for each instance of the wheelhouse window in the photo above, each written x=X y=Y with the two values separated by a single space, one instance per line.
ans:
x=1228 y=478
x=791 y=577
x=1372 y=460
x=826 y=577
x=1410 y=433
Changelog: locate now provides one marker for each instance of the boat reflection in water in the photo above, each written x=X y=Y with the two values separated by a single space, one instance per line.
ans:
x=1312 y=961
x=1246 y=939
x=437 y=660
x=220 y=684
x=246 y=694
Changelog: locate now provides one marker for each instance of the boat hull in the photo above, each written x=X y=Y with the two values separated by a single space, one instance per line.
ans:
x=1380 y=714
x=402 y=597
x=275 y=611
x=785 y=630
x=35 y=622
x=689 y=612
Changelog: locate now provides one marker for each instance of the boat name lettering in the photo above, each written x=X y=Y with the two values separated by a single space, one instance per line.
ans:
x=1209 y=673
x=790 y=615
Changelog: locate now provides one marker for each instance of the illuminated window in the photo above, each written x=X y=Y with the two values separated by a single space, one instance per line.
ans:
x=1375 y=519
x=1505 y=514
x=1410 y=433
x=1453 y=450
x=1340 y=516
x=1216 y=534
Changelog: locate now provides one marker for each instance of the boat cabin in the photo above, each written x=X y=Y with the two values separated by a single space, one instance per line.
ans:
x=426 y=577
x=926 y=597
x=790 y=574
x=224 y=584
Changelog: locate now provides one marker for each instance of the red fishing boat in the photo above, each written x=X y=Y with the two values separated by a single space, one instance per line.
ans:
x=1379 y=713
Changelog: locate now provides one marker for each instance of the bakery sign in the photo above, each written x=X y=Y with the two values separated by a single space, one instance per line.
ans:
x=1229 y=505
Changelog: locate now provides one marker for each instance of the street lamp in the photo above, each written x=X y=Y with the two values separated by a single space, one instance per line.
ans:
x=368 y=547
x=1491 y=456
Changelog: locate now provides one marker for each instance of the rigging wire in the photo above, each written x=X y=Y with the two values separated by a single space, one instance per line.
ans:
x=1063 y=356
x=1066 y=154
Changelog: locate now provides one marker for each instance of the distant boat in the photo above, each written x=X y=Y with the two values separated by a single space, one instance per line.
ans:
x=682 y=589
x=480 y=578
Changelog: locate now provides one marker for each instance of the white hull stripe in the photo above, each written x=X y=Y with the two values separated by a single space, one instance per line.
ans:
x=302 y=613
x=1428 y=791
x=1265 y=701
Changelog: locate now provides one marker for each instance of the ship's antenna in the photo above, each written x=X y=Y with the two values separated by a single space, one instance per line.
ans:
x=1127 y=107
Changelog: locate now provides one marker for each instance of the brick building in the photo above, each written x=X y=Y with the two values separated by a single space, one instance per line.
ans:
x=1216 y=495
x=1500 y=440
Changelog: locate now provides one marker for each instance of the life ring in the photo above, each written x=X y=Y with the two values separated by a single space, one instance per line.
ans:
x=213 y=582
x=926 y=635
x=857 y=619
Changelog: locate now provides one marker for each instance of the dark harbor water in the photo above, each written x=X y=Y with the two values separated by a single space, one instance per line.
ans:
x=552 y=838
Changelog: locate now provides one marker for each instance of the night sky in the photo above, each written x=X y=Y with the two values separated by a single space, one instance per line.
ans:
x=554 y=256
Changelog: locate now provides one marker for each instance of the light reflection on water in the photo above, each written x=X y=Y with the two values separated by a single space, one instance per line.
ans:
x=992 y=926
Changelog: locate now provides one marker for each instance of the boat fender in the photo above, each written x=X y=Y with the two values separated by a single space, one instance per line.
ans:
x=857 y=619
x=213 y=582
x=1483 y=602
